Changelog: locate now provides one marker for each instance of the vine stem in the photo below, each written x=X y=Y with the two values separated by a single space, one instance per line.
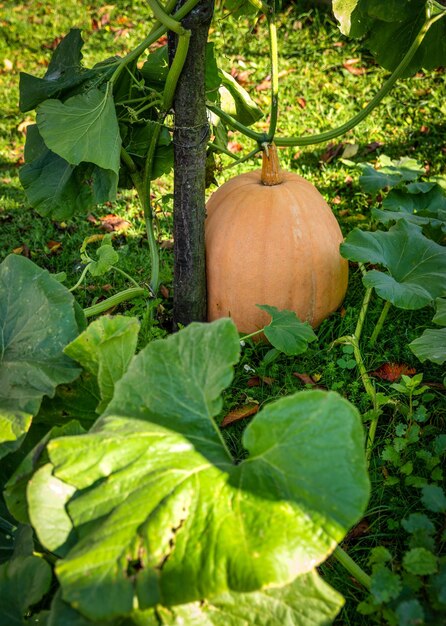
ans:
x=165 y=19
x=274 y=55
x=352 y=567
x=385 y=89
x=380 y=323
x=309 y=140
x=118 y=298
x=153 y=36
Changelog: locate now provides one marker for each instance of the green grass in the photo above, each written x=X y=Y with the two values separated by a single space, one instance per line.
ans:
x=410 y=122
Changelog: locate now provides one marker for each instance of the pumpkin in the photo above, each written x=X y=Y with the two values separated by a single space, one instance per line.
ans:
x=272 y=239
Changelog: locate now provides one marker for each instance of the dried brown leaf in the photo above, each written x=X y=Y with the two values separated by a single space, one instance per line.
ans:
x=393 y=371
x=240 y=413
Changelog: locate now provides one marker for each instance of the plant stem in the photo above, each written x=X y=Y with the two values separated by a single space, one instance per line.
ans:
x=164 y=18
x=175 y=69
x=243 y=159
x=79 y=282
x=236 y=125
x=380 y=322
x=309 y=140
x=118 y=298
x=148 y=213
x=363 y=313
x=153 y=36
x=257 y=332
x=272 y=31
x=352 y=567
x=120 y=271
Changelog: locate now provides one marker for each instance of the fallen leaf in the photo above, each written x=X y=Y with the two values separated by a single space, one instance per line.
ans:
x=256 y=381
x=239 y=414
x=424 y=129
x=53 y=44
x=164 y=291
x=235 y=146
x=113 y=223
x=241 y=77
x=332 y=151
x=53 y=246
x=348 y=180
x=301 y=102
x=362 y=528
x=338 y=44
x=91 y=218
x=393 y=371
x=8 y=65
x=337 y=200
x=107 y=287
x=166 y=244
x=23 y=250
x=371 y=147
x=309 y=380
x=264 y=85
x=350 y=150
x=350 y=66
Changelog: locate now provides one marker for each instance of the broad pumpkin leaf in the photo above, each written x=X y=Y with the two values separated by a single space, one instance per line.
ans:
x=388 y=29
x=64 y=73
x=162 y=512
x=137 y=145
x=13 y=428
x=23 y=582
x=57 y=189
x=389 y=173
x=416 y=265
x=105 y=350
x=83 y=128
x=286 y=332
x=307 y=601
x=431 y=346
x=15 y=489
x=38 y=320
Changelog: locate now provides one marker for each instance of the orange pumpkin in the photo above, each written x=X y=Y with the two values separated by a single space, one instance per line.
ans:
x=272 y=239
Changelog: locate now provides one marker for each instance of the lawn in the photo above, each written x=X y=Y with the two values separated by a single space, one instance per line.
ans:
x=394 y=159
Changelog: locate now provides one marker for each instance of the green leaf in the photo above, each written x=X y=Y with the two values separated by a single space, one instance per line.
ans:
x=107 y=258
x=23 y=582
x=57 y=189
x=236 y=101
x=75 y=401
x=62 y=614
x=416 y=265
x=434 y=498
x=38 y=321
x=156 y=68
x=440 y=315
x=105 y=350
x=137 y=145
x=385 y=585
x=420 y=562
x=15 y=491
x=409 y=613
x=416 y=522
x=286 y=332
x=212 y=74
x=163 y=513
x=64 y=73
x=389 y=28
x=389 y=174
x=13 y=428
x=47 y=496
x=430 y=346
x=307 y=601
x=83 y=128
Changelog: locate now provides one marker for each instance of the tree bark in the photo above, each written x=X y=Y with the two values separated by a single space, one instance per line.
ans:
x=191 y=133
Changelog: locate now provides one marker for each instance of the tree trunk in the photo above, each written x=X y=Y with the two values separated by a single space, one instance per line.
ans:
x=190 y=140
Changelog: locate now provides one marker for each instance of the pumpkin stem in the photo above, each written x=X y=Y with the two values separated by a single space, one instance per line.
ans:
x=271 y=173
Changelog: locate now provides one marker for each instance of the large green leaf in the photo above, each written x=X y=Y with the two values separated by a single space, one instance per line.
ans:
x=105 y=350
x=416 y=265
x=23 y=582
x=236 y=101
x=163 y=513
x=64 y=73
x=57 y=189
x=137 y=145
x=307 y=601
x=15 y=491
x=389 y=173
x=83 y=128
x=431 y=345
x=388 y=29
x=37 y=320
x=13 y=428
